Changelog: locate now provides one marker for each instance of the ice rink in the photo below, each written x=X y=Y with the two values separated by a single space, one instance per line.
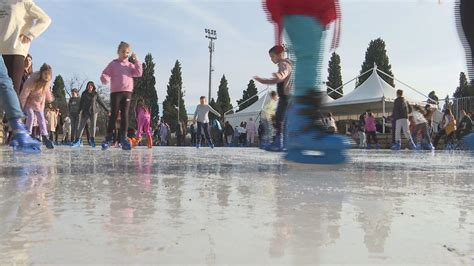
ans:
x=231 y=206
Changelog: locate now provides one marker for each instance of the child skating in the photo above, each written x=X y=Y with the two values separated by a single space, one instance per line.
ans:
x=143 y=116
x=304 y=22
x=33 y=97
x=201 y=116
x=282 y=79
x=120 y=73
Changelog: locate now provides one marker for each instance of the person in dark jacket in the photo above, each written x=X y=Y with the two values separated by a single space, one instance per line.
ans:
x=73 y=107
x=89 y=112
x=228 y=133
x=400 y=112
x=465 y=125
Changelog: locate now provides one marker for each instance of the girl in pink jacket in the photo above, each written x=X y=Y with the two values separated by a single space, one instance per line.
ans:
x=143 y=115
x=120 y=73
x=33 y=97
x=371 y=129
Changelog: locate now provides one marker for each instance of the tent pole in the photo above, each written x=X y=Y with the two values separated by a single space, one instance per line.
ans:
x=384 y=114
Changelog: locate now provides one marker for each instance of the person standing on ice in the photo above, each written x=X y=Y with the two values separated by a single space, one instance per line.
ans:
x=305 y=21
x=251 y=132
x=33 y=97
x=371 y=129
x=422 y=127
x=268 y=113
x=120 y=72
x=201 y=116
x=21 y=21
x=143 y=116
x=401 y=109
x=88 y=108
x=282 y=79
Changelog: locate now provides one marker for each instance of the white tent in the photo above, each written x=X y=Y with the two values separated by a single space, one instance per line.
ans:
x=374 y=94
x=253 y=111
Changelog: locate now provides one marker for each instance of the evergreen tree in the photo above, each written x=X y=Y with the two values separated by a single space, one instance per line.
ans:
x=144 y=87
x=248 y=94
x=335 y=77
x=376 y=53
x=59 y=94
x=462 y=90
x=223 y=103
x=174 y=94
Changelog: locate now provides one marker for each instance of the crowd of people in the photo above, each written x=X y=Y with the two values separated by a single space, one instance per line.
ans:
x=292 y=122
x=422 y=126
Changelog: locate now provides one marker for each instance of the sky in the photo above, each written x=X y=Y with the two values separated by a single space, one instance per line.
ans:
x=421 y=38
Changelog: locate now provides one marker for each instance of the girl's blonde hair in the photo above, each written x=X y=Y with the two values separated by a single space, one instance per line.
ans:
x=40 y=83
x=122 y=45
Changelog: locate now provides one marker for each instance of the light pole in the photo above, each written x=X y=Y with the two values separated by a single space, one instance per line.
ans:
x=211 y=35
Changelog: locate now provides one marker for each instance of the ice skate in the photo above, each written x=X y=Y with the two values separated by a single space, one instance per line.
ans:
x=396 y=147
x=21 y=141
x=150 y=142
x=308 y=139
x=125 y=143
x=48 y=143
x=92 y=142
x=77 y=143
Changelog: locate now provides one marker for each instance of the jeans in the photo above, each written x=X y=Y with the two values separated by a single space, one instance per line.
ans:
x=8 y=97
x=205 y=127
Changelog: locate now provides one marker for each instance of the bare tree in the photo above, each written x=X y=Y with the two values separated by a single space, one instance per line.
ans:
x=76 y=81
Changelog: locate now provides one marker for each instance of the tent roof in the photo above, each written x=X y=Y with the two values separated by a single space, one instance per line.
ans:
x=374 y=89
x=253 y=111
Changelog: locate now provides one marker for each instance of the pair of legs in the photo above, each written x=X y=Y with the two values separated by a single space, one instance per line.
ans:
x=200 y=128
x=85 y=120
x=267 y=132
x=30 y=116
x=402 y=125
x=250 y=137
x=372 y=135
x=74 y=125
x=362 y=139
x=143 y=126
x=425 y=135
x=466 y=32
x=119 y=101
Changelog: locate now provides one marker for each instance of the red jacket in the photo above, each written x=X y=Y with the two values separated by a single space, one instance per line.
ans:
x=325 y=11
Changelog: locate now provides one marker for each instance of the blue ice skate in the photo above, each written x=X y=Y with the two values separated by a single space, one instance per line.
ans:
x=77 y=143
x=198 y=146
x=106 y=144
x=277 y=145
x=211 y=146
x=309 y=142
x=126 y=145
x=397 y=146
x=22 y=142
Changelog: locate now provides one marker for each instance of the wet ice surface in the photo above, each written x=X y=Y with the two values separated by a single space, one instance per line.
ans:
x=234 y=206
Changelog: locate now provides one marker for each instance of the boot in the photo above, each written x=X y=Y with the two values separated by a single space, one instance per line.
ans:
x=411 y=144
x=48 y=143
x=277 y=145
x=135 y=142
x=92 y=142
x=396 y=146
x=126 y=146
x=306 y=132
x=21 y=141
x=369 y=146
x=107 y=143
x=150 y=142
x=77 y=143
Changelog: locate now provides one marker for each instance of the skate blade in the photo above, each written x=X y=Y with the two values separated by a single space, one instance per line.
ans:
x=314 y=160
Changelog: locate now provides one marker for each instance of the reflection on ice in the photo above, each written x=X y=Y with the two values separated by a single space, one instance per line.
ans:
x=234 y=206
